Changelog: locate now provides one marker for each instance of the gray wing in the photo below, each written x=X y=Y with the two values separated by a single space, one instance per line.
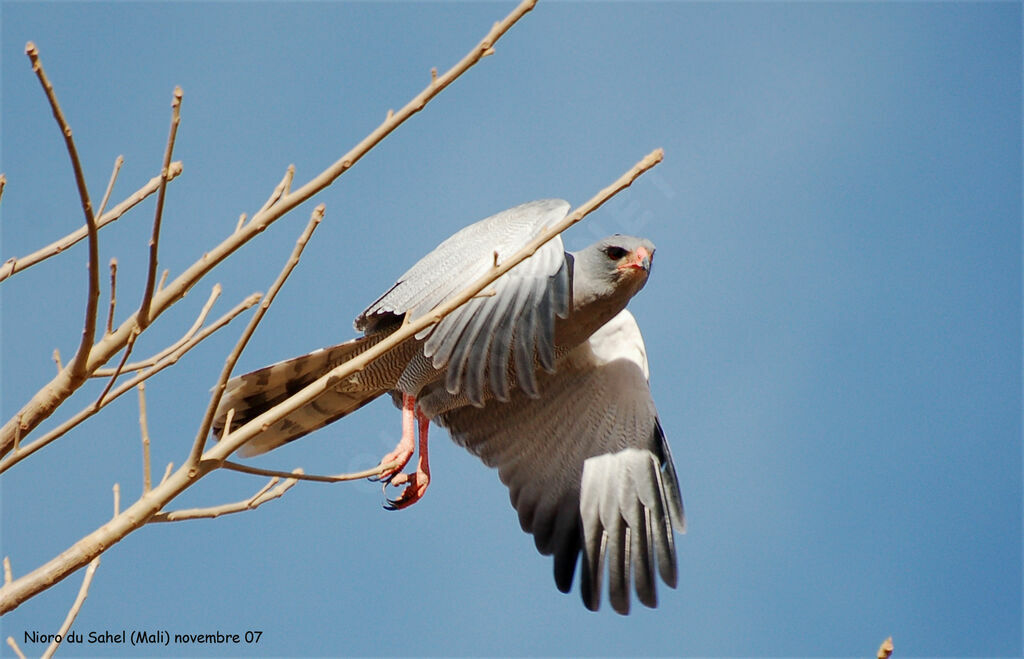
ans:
x=482 y=341
x=587 y=467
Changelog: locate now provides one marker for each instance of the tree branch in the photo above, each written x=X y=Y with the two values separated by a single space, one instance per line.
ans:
x=77 y=366
x=14 y=646
x=117 y=371
x=110 y=186
x=302 y=476
x=145 y=363
x=154 y=242
x=264 y=495
x=282 y=188
x=229 y=364
x=23 y=452
x=113 y=295
x=83 y=592
x=147 y=478
x=13 y=265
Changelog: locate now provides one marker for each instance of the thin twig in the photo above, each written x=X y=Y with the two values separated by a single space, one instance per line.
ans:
x=117 y=499
x=337 y=478
x=241 y=222
x=56 y=359
x=18 y=264
x=228 y=419
x=20 y=454
x=204 y=429
x=110 y=185
x=14 y=646
x=281 y=189
x=77 y=366
x=117 y=371
x=3 y=184
x=885 y=649
x=83 y=592
x=167 y=472
x=149 y=361
x=113 y=295
x=264 y=495
x=7 y=570
x=154 y=241
x=163 y=280
x=144 y=428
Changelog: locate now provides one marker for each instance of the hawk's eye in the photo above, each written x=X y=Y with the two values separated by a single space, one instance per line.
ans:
x=615 y=253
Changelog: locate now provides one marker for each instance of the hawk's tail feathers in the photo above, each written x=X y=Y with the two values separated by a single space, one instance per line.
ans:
x=254 y=393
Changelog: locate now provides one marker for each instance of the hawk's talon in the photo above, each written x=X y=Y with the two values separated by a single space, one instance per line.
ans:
x=415 y=487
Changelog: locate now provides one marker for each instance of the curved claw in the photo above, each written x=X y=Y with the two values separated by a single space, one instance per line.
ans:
x=415 y=488
x=399 y=503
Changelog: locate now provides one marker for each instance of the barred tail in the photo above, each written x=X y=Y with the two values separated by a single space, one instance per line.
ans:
x=254 y=393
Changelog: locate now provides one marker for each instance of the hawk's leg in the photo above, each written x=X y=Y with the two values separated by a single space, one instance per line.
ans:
x=403 y=451
x=416 y=483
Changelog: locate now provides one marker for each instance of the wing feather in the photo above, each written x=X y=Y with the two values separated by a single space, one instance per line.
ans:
x=519 y=315
x=588 y=467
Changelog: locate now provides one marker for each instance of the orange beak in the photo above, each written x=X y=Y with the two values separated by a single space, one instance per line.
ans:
x=640 y=259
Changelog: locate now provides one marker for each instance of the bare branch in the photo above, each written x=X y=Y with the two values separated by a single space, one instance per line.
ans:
x=19 y=454
x=57 y=391
x=117 y=371
x=154 y=242
x=253 y=427
x=435 y=87
x=113 y=295
x=77 y=367
x=147 y=483
x=167 y=472
x=885 y=649
x=56 y=359
x=7 y=570
x=110 y=185
x=229 y=364
x=83 y=592
x=3 y=184
x=13 y=265
x=117 y=499
x=163 y=280
x=14 y=646
x=282 y=188
x=337 y=478
x=138 y=366
x=264 y=495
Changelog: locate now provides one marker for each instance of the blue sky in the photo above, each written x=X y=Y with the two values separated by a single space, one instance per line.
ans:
x=833 y=320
